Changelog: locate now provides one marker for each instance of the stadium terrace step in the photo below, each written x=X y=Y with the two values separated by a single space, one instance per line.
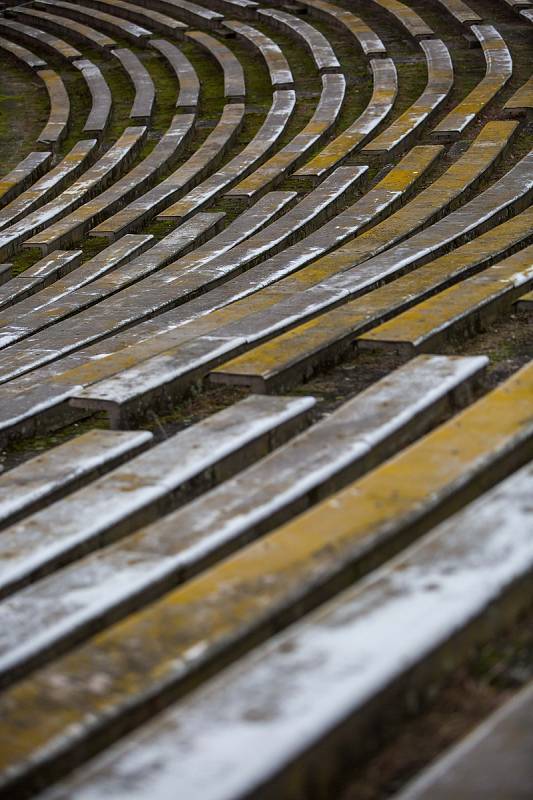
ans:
x=148 y=486
x=368 y=40
x=460 y=11
x=87 y=185
x=50 y=183
x=315 y=42
x=65 y=300
x=110 y=282
x=197 y=628
x=294 y=355
x=173 y=285
x=521 y=103
x=279 y=165
x=192 y=13
x=23 y=175
x=72 y=227
x=185 y=363
x=144 y=16
x=112 y=257
x=458 y=311
x=107 y=22
x=234 y=84
x=499 y=70
x=494 y=760
x=184 y=71
x=323 y=683
x=84 y=34
x=407 y=18
x=439 y=85
x=22 y=54
x=277 y=65
x=56 y=128
x=63 y=469
x=236 y=299
x=385 y=90
x=34 y=36
x=366 y=430
x=461 y=177
x=257 y=149
x=138 y=212
x=100 y=112
x=143 y=103
x=38 y=276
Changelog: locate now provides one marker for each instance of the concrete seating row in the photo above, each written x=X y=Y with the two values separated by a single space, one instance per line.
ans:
x=385 y=90
x=256 y=150
x=22 y=54
x=64 y=299
x=143 y=103
x=36 y=37
x=23 y=175
x=366 y=37
x=63 y=469
x=187 y=78
x=201 y=315
x=215 y=450
x=52 y=292
x=52 y=182
x=460 y=11
x=298 y=352
x=520 y=103
x=439 y=84
x=100 y=112
x=234 y=84
x=170 y=286
x=499 y=70
x=316 y=43
x=108 y=283
x=59 y=115
x=461 y=309
x=464 y=222
x=367 y=429
x=155 y=20
x=94 y=179
x=292 y=154
x=167 y=375
x=322 y=677
x=78 y=31
x=136 y=213
x=407 y=17
x=204 y=622
x=71 y=228
x=114 y=25
x=277 y=65
x=191 y=13
x=38 y=276
x=236 y=299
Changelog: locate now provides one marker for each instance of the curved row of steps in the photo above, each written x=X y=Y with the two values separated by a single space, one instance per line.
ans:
x=211 y=587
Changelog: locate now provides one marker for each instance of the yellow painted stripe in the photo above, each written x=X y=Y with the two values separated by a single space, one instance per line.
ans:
x=163 y=642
